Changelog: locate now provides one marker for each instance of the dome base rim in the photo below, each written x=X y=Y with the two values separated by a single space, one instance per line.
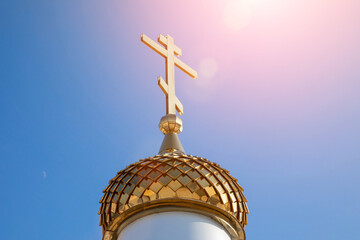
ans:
x=229 y=222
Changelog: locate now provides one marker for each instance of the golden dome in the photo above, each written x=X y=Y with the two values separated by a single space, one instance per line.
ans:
x=172 y=176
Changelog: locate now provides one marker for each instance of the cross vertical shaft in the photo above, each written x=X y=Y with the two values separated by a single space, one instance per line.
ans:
x=170 y=76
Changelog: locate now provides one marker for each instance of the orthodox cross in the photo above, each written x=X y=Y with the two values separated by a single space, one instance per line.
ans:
x=172 y=102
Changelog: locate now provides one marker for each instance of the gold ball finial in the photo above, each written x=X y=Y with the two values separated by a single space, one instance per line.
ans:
x=170 y=123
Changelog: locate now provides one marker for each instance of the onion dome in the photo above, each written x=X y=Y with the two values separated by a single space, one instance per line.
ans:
x=172 y=176
x=172 y=180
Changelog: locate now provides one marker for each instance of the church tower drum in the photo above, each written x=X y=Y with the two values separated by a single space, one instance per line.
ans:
x=173 y=195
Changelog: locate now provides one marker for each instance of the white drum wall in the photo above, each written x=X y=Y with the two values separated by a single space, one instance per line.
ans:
x=174 y=226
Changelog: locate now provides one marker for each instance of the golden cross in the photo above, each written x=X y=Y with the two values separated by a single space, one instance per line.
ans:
x=172 y=102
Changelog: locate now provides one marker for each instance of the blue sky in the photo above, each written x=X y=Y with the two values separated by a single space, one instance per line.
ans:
x=277 y=103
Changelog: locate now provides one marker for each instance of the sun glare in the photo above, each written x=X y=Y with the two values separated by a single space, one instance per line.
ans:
x=237 y=14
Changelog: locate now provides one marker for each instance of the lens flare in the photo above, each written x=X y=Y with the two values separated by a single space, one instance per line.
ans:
x=208 y=68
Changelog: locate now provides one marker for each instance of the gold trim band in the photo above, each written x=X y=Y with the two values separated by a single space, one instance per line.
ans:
x=229 y=222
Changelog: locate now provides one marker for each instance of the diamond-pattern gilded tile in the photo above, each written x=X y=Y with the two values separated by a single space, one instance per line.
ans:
x=232 y=197
x=202 y=182
x=210 y=191
x=174 y=163
x=195 y=164
x=195 y=196
x=183 y=192
x=114 y=185
x=232 y=185
x=164 y=180
x=144 y=171
x=224 y=198
x=113 y=207
x=220 y=178
x=120 y=187
x=166 y=192
x=128 y=189
x=174 y=173
x=204 y=171
x=156 y=186
x=138 y=191
x=237 y=195
x=108 y=199
x=227 y=187
x=124 y=197
x=228 y=206
x=184 y=168
x=154 y=174
x=212 y=179
x=163 y=168
x=135 y=180
x=193 y=174
x=145 y=199
x=145 y=183
x=126 y=178
x=234 y=206
x=174 y=185
x=184 y=179
x=241 y=208
x=219 y=188
x=133 y=200
x=153 y=164
x=115 y=198
x=213 y=170
x=193 y=186
x=149 y=193
x=214 y=199
x=201 y=192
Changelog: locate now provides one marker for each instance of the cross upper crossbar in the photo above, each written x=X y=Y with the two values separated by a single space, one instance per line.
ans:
x=169 y=52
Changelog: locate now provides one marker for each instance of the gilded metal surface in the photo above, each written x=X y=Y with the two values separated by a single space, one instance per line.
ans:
x=169 y=52
x=170 y=123
x=168 y=177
